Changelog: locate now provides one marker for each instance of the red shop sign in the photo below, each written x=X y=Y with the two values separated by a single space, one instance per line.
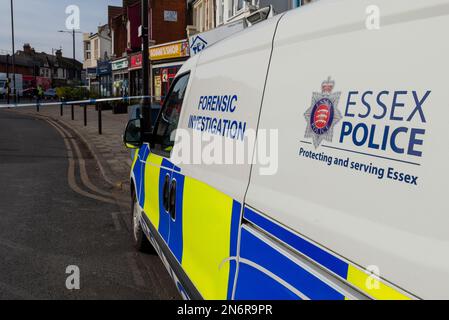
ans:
x=136 y=61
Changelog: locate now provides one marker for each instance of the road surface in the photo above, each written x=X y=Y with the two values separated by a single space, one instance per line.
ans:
x=56 y=211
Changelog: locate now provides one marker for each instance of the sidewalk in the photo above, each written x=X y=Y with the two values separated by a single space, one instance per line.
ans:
x=113 y=157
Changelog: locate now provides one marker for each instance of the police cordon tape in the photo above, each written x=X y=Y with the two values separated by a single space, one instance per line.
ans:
x=83 y=104
x=76 y=102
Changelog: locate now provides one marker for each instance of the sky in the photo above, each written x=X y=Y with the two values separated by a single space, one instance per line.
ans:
x=37 y=22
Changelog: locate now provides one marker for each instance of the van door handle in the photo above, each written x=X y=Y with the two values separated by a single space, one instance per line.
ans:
x=172 y=202
x=166 y=193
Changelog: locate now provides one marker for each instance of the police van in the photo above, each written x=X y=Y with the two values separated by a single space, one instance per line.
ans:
x=355 y=205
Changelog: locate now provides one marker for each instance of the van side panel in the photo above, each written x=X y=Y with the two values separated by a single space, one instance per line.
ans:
x=226 y=87
x=363 y=146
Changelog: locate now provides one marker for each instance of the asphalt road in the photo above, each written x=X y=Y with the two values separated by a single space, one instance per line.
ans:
x=51 y=219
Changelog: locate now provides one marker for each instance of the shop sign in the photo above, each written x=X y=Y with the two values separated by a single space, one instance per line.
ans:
x=170 y=51
x=157 y=87
x=120 y=64
x=136 y=61
x=201 y=41
x=103 y=68
x=165 y=75
x=91 y=73
x=171 y=16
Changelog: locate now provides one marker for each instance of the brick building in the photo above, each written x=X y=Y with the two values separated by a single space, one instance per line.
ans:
x=167 y=23
x=168 y=20
x=23 y=66
x=38 y=68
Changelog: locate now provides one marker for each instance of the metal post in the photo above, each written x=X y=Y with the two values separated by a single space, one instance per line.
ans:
x=146 y=112
x=100 y=124
x=85 y=114
x=74 y=55
x=62 y=109
x=13 y=53
x=73 y=34
x=73 y=112
x=37 y=104
x=7 y=79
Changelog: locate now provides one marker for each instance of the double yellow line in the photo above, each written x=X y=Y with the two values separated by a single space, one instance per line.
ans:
x=74 y=154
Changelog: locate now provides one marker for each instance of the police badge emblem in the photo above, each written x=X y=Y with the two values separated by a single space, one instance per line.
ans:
x=323 y=115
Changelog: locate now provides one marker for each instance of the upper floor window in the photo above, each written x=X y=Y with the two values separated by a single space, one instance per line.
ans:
x=240 y=5
x=220 y=11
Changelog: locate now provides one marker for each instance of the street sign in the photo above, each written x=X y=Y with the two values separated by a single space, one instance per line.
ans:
x=171 y=16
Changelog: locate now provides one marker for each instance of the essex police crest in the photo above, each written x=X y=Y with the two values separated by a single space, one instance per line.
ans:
x=323 y=114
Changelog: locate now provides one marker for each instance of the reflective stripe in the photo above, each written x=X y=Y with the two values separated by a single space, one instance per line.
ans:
x=319 y=255
x=372 y=286
x=352 y=274
x=152 y=173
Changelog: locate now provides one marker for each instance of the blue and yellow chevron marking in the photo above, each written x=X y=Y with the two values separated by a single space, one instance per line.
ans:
x=204 y=234
x=265 y=273
x=139 y=170
x=204 y=240
x=352 y=274
x=151 y=205
x=211 y=221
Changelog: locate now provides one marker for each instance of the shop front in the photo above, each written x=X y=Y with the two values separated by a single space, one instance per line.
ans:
x=93 y=81
x=120 y=77
x=135 y=75
x=104 y=72
x=166 y=60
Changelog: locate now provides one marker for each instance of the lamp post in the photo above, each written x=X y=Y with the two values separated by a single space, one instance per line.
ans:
x=7 y=78
x=146 y=102
x=13 y=53
x=73 y=33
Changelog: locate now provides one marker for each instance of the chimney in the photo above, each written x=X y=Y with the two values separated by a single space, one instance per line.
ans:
x=58 y=53
x=27 y=48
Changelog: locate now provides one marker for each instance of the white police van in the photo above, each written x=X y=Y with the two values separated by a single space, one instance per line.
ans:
x=355 y=207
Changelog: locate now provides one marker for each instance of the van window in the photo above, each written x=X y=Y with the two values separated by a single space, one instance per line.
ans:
x=168 y=119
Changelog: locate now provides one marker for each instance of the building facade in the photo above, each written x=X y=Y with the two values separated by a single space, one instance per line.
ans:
x=228 y=11
x=167 y=23
x=97 y=52
x=42 y=69
x=166 y=60
x=203 y=16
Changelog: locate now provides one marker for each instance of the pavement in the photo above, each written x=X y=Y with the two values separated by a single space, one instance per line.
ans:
x=64 y=202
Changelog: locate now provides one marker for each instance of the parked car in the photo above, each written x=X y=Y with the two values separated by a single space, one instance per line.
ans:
x=30 y=93
x=50 y=94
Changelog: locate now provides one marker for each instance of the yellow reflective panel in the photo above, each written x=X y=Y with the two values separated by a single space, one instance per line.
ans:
x=207 y=217
x=136 y=156
x=130 y=146
x=372 y=286
x=152 y=173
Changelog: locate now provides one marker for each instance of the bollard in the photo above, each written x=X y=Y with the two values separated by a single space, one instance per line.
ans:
x=73 y=112
x=62 y=109
x=100 y=124
x=85 y=115
x=37 y=105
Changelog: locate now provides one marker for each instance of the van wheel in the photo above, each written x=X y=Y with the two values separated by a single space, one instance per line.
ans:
x=139 y=238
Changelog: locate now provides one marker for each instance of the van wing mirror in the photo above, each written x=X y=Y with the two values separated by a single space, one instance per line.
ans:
x=133 y=137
